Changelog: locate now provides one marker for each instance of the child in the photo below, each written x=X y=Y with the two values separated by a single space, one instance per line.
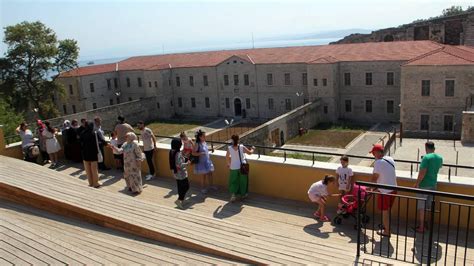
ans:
x=113 y=142
x=344 y=176
x=178 y=165
x=318 y=193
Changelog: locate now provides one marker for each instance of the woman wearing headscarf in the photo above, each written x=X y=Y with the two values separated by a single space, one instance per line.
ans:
x=42 y=140
x=89 y=152
x=133 y=157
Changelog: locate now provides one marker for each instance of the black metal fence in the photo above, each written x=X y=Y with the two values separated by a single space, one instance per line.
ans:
x=447 y=237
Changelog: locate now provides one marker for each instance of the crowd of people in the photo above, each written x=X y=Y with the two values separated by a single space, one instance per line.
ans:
x=86 y=143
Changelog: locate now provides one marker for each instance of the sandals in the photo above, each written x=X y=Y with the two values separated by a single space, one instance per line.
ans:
x=324 y=219
x=316 y=214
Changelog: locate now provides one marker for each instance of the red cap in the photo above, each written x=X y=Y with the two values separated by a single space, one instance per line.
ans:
x=377 y=147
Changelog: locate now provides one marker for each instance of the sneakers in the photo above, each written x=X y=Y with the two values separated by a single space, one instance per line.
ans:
x=148 y=177
x=316 y=214
x=324 y=219
x=179 y=204
x=233 y=198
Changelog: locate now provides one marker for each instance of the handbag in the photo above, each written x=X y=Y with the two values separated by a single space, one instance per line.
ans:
x=244 y=167
x=194 y=159
x=100 y=157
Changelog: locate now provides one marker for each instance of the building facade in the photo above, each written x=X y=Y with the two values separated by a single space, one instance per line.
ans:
x=360 y=83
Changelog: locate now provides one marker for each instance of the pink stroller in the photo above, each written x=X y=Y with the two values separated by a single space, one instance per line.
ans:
x=349 y=205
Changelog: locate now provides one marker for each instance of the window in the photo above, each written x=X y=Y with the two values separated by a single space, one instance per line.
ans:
x=226 y=80
x=139 y=81
x=227 y=103
x=348 y=104
x=270 y=103
x=269 y=79
x=287 y=79
x=325 y=109
x=205 y=80
x=247 y=103
x=73 y=109
x=149 y=84
x=325 y=82
x=156 y=84
x=115 y=83
x=368 y=106
x=157 y=105
x=191 y=81
x=448 y=123
x=109 y=84
x=425 y=87
x=236 y=80
x=128 y=82
x=315 y=82
x=71 y=90
x=304 y=77
x=178 y=82
x=111 y=102
x=118 y=100
x=368 y=78
x=449 y=88
x=390 y=105
x=91 y=85
x=94 y=106
x=424 y=122
x=246 y=80
x=169 y=82
x=65 y=109
x=208 y=104
x=193 y=102
x=130 y=99
x=288 y=104
x=390 y=79
x=347 y=79
x=180 y=102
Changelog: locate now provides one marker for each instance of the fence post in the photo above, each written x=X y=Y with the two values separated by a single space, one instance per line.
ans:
x=284 y=154
x=430 y=241
x=417 y=159
x=457 y=158
x=358 y=223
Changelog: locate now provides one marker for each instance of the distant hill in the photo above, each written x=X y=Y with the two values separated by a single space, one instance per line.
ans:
x=316 y=35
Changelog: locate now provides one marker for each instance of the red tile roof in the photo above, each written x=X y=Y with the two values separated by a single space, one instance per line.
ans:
x=445 y=56
x=378 y=51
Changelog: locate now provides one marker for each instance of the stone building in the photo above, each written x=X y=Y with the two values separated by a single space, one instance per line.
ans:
x=453 y=30
x=361 y=83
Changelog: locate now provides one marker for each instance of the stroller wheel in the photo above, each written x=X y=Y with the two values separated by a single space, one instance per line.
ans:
x=337 y=220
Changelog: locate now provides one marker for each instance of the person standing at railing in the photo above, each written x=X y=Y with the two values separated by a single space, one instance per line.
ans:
x=102 y=142
x=178 y=166
x=427 y=179
x=238 y=176
x=188 y=145
x=89 y=151
x=27 y=141
x=149 y=147
x=204 y=166
x=384 y=173
x=42 y=141
x=344 y=176
x=122 y=129
x=52 y=143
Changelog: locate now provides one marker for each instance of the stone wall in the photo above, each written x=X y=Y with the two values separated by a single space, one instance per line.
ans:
x=456 y=30
x=145 y=109
x=278 y=130
x=467 y=134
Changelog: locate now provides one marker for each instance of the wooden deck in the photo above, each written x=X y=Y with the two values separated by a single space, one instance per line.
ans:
x=32 y=236
x=263 y=230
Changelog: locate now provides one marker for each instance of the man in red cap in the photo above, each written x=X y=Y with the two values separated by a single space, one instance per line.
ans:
x=384 y=173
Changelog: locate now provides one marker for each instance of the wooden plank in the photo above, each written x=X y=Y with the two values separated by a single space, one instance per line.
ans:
x=4 y=261
x=28 y=258
x=9 y=257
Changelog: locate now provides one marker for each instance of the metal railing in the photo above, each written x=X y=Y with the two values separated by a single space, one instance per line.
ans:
x=448 y=241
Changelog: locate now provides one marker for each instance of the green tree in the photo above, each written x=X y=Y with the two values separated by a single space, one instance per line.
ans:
x=33 y=60
x=454 y=10
x=9 y=119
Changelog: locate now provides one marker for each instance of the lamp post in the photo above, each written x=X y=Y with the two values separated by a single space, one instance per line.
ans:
x=454 y=134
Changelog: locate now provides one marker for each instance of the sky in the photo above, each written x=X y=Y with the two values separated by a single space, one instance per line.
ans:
x=106 y=29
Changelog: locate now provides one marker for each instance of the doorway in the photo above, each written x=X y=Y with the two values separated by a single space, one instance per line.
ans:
x=237 y=107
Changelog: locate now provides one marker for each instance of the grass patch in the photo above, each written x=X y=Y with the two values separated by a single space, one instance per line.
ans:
x=302 y=156
x=334 y=138
x=170 y=128
x=340 y=127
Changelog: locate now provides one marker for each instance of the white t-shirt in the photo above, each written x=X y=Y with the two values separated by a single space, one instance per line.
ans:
x=318 y=189
x=114 y=143
x=234 y=157
x=344 y=175
x=385 y=168
x=147 y=139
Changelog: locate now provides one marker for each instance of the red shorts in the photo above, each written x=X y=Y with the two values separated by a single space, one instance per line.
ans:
x=387 y=202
